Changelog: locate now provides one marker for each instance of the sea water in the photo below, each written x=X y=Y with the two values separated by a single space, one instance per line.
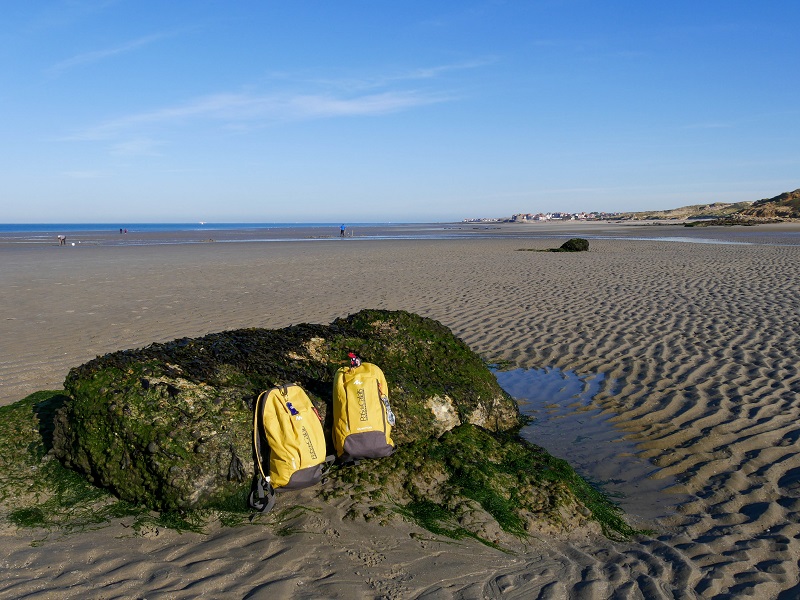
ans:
x=137 y=234
x=146 y=234
x=569 y=426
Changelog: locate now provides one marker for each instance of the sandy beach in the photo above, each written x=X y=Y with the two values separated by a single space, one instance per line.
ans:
x=695 y=331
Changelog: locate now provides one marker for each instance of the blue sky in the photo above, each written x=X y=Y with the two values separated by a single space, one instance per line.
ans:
x=139 y=111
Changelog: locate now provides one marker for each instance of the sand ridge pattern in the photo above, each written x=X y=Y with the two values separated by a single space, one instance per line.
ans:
x=698 y=342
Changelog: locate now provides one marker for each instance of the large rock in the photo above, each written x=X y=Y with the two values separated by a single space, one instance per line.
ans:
x=574 y=245
x=170 y=425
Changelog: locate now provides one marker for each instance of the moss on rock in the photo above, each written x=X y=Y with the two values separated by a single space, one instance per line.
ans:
x=471 y=482
x=573 y=245
x=169 y=425
x=35 y=488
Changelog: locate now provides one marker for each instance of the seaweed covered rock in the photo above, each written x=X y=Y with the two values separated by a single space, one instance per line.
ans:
x=574 y=245
x=470 y=482
x=170 y=425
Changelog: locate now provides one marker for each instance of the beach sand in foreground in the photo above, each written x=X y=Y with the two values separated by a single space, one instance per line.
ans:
x=700 y=341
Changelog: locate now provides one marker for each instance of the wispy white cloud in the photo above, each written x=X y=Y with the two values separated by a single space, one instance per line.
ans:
x=238 y=109
x=321 y=106
x=105 y=53
x=433 y=72
x=420 y=74
x=300 y=100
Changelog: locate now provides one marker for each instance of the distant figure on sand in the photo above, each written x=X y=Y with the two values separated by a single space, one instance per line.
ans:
x=341 y=231
x=62 y=240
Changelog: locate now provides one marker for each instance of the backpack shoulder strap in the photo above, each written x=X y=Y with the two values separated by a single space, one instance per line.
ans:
x=262 y=494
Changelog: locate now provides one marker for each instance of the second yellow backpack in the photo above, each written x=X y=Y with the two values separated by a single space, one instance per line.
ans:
x=362 y=417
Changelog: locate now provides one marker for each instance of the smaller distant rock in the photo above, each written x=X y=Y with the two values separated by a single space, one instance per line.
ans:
x=573 y=245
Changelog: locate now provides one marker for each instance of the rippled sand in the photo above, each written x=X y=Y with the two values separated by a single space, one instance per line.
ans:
x=698 y=344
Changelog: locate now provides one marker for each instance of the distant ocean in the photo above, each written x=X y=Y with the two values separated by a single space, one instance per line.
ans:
x=148 y=234
x=59 y=228
x=137 y=234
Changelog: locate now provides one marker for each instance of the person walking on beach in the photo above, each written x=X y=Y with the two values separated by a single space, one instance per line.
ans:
x=341 y=230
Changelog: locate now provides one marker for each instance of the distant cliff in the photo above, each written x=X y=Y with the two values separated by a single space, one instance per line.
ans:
x=782 y=207
x=716 y=210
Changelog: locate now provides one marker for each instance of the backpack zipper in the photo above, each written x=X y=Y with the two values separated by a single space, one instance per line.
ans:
x=383 y=406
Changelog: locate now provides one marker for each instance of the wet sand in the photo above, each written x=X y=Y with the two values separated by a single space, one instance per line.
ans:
x=697 y=343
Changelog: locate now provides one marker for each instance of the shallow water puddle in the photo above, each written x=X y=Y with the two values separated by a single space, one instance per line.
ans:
x=568 y=426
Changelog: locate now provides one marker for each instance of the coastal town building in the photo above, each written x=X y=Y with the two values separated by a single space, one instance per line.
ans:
x=550 y=216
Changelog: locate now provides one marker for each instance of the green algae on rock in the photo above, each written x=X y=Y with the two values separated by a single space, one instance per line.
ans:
x=169 y=425
x=573 y=245
x=35 y=489
x=470 y=482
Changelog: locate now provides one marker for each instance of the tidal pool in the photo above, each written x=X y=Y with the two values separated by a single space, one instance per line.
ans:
x=569 y=426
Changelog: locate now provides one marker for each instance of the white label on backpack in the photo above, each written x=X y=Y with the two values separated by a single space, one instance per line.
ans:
x=362 y=406
x=307 y=440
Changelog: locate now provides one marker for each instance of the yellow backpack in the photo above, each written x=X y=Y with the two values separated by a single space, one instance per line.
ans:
x=288 y=427
x=362 y=417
